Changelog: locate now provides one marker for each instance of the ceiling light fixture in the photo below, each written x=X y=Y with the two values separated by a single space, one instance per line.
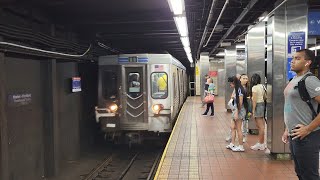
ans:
x=176 y=6
x=181 y=23
x=185 y=41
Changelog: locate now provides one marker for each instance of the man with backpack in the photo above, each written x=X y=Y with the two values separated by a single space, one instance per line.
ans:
x=302 y=96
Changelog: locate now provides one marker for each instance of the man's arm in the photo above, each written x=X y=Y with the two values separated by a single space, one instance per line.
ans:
x=302 y=130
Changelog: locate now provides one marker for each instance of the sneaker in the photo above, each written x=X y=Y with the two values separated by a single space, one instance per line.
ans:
x=258 y=146
x=204 y=114
x=238 y=149
x=211 y=114
x=230 y=146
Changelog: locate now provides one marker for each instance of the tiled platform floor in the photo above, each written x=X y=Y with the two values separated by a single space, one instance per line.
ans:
x=197 y=150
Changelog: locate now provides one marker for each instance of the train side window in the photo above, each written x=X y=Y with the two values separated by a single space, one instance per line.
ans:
x=159 y=85
x=134 y=82
x=109 y=84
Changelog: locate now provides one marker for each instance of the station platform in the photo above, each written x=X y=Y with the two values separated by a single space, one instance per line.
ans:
x=196 y=150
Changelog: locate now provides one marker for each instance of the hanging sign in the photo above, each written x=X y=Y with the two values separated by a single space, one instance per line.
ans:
x=314 y=23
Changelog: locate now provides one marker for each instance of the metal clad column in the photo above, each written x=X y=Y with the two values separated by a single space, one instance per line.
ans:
x=255 y=41
x=230 y=60
x=4 y=154
x=291 y=17
x=204 y=69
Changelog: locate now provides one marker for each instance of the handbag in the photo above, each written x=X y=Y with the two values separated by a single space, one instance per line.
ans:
x=209 y=98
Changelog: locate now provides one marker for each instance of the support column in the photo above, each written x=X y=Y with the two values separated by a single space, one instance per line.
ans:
x=51 y=124
x=230 y=60
x=4 y=151
x=203 y=70
x=255 y=41
x=289 y=19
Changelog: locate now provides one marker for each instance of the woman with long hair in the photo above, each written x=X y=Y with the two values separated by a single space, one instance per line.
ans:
x=238 y=114
x=258 y=95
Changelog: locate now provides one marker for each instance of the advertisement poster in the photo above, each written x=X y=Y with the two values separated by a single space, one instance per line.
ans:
x=296 y=42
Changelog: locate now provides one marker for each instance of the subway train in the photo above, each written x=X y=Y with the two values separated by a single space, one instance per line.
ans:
x=139 y=95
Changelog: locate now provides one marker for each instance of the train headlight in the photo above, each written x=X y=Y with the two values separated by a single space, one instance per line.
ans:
x=156 y=108
x=113 y=107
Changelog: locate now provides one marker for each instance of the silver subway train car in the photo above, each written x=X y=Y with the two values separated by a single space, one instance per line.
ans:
x=139 y=94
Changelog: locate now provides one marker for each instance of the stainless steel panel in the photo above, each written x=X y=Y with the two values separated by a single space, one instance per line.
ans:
x=291 y=17
x=230 y=60
x=241 y=61
x=255 y=41
x=221 y=82
x=277 y=81
x=214 y=66
x=204 y=69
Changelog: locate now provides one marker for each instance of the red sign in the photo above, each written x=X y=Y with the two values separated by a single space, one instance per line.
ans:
x=213 y=73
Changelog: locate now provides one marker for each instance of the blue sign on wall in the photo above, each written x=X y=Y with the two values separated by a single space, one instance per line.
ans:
x=76 y=84
x=314 y=23
x=296 y=42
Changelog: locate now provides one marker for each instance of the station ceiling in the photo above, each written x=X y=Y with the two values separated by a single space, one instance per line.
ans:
x=144 y=26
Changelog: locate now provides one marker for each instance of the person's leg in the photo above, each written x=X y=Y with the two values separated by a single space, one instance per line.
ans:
x=245 y=129
x=307 y=156
x=261 y=127
x=206 y=112
x=212 y=109
x=233 y=135
x=239 y=148
x=238 y=124
x=293 y=155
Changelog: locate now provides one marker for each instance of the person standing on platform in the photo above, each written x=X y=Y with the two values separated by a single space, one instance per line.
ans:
x=206 y=85
x=228 y=138
x=238 y=114
x=209 y=91
x=302 y=128
x=244 y=83
x=258 y=96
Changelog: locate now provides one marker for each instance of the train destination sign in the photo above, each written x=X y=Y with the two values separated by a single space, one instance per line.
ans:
x=133 y=59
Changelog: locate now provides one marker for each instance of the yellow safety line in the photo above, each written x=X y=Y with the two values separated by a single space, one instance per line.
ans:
x=167 y=145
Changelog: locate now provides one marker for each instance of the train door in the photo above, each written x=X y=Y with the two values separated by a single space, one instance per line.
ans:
x=134 y=101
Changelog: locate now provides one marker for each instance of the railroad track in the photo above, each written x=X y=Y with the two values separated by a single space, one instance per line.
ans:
x=126 y=166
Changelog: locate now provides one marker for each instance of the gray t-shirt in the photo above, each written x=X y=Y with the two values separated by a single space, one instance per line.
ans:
x=297 y=111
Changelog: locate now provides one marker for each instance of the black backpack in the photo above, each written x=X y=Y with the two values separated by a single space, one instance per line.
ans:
x=305 y=95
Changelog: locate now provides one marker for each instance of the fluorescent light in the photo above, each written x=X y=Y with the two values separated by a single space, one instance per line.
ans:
x=240 y=46
x=181 y=23
x=176 y=6
x=314 y=48
x=190 y=57
x=187 y=49
x=221 y=54
x=185 y=41
x=262 y=17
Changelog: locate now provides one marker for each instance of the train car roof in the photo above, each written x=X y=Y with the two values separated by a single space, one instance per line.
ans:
x=123 y=59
